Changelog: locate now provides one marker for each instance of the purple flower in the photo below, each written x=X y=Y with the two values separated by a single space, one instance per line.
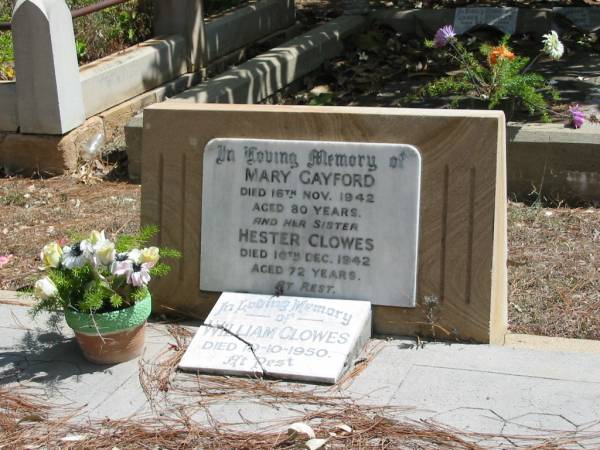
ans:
x=577 y=116
x=137 y=274
x=444 y=35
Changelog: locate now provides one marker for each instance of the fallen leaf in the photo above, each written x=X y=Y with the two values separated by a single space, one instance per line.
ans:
x=300 y=428
x=314 y=444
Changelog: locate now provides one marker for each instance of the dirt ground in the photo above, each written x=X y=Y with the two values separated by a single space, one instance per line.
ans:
x=554 y=262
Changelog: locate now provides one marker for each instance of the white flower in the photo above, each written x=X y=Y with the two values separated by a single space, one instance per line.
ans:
x=96 y=237
x=137 y=274
x=552 y=45
x=44 y=289
x=76 y=255
x=134 y=255
x=149 y=255
x=51 y=254
x=104 y=252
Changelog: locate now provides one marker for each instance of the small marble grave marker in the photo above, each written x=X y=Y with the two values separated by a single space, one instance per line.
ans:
x=311 y=218
x=583 y=17
x=294 y=338
x=504 y=19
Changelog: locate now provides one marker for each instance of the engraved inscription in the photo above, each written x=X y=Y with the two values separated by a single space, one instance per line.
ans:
x=309 y=218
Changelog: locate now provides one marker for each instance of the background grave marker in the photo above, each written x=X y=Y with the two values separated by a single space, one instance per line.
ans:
x=462 y=228
x=504 y=19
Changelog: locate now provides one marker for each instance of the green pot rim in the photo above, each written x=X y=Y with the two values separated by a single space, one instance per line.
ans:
x=110 y=322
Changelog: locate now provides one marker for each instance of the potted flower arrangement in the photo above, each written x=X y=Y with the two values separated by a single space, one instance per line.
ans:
x=102 y=287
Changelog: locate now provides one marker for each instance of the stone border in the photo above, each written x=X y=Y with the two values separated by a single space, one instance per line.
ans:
x=116 y=78
x=427 y=21
x=554 y=162
x=548 y=343
x=259 y=77
x=245 y=25
x=53 y=155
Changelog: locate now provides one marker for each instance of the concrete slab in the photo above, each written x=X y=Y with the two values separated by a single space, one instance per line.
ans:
x=510 y=395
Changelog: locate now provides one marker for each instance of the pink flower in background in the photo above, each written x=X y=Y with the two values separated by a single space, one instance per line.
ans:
x=577 y=116
x=5 y=259
x=444 y=35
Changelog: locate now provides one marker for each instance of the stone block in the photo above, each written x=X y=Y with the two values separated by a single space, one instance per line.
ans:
x=271 y=71
x=119 y=77
x=133 y=137
x=259 y=77
x=462 y=225
x=8 y=106
x=46 y=154
x=49 y=95
x=244 y=26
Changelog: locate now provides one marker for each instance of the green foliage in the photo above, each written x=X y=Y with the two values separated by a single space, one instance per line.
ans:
x=160 y=270
x=322 y=99
x=139 y=294
x=126 y=242
x=7 y=58
x=116 y=301
x=81 y=49
x=505 y=82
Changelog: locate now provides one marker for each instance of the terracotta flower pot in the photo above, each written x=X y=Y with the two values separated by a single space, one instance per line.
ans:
x=112 y=337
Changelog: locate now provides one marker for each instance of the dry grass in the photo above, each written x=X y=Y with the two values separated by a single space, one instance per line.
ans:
x=35 y=212
x=554 y=271
x=554 y=267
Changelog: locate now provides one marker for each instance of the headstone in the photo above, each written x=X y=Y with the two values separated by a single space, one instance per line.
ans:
x=462 y=247
x=504 y=19
x=586 y=18
x=311 y=218
x=307 y=339
x=49 y=96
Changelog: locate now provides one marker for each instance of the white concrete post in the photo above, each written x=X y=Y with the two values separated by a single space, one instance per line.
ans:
x=186 y=18
x=49 y=96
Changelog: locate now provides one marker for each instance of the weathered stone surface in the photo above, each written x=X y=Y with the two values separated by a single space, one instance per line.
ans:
x=46 y=154
x=49 y=95
x=8 y=106
x=295 y=338
x=119 y=77
x=462 y=229
x=244 y=26
x=311 y=218
x=271 y=71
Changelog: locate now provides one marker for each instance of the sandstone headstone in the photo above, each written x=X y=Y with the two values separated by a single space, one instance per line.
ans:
x=294 y=338
x=461 y=263
x=311 y=218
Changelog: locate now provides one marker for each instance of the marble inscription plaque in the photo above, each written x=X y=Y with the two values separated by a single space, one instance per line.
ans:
x=504 y=19
x=311 y=218
x=294 y=338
